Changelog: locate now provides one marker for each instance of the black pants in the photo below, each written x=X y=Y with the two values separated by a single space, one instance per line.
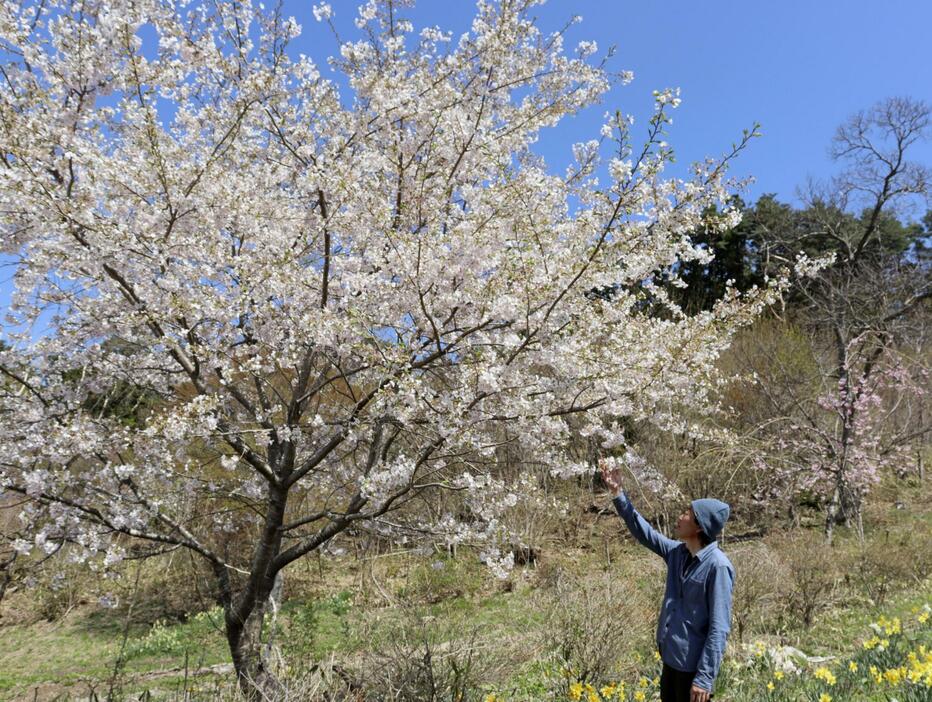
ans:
x=675 y=684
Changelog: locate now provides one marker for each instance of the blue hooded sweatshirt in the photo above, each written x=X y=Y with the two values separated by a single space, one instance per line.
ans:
x=696 y=614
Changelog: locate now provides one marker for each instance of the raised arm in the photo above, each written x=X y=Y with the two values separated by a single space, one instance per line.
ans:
x=718 y=601
x=637 y=525
x=641 y=529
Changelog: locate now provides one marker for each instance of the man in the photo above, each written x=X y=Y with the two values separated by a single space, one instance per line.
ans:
x=696 y=614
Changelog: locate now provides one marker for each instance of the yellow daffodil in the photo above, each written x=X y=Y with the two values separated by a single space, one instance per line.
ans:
x=890 y=626
x=824 y=674
x=893 y=675
x=576 y=690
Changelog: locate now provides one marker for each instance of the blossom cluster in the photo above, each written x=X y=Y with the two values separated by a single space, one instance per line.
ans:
x=316 y=299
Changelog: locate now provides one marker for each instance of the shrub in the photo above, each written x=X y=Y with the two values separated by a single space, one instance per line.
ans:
x=756 y=599
x=595 y=623
x=425 y=660
x=811 y=568
x=881 y=565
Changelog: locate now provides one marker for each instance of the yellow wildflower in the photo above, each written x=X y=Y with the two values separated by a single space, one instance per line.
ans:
x=778 y=674
x=853 y=667
x=643 y=682
x=825 y=697
x=893 y=675
x=608 y=690
x=639 y=696
x=770 y=686
x=824 y=674
x=576 y=691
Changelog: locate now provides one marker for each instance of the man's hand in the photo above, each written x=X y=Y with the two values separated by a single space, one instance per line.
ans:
x=697 y=694
x=611 y=476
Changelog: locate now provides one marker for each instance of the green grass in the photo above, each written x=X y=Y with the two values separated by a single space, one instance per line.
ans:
x=838 y=681
x=86 y=647
x=839 y=630
x=346 y=621
x=81 y=649
x=50 y=651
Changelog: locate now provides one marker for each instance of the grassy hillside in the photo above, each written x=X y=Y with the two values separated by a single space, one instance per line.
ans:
x=580 y=620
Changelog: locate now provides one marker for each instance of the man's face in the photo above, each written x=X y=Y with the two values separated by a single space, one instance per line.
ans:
x=686 y=525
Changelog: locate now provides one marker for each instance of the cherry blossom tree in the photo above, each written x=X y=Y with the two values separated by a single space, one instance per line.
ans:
x=250 y=307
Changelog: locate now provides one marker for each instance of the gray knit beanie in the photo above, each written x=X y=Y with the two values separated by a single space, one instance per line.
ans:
x=711 y=515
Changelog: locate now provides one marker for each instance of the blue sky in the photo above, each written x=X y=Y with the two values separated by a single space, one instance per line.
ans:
x=797 y=67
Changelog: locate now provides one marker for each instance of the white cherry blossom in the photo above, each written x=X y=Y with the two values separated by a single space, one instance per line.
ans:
x=250 y=301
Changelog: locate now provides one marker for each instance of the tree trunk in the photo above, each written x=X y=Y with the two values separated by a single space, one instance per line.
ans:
x=831 y=514
x=850 y=506
x=245 y=614
x=844 y=507
x=254 y=670
x=835 y=513
x=843 y=501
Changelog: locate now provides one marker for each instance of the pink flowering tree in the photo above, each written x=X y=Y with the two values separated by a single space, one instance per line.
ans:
x=865 y=317
x=836 y=443
x=315 y=310
x=863 y=437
